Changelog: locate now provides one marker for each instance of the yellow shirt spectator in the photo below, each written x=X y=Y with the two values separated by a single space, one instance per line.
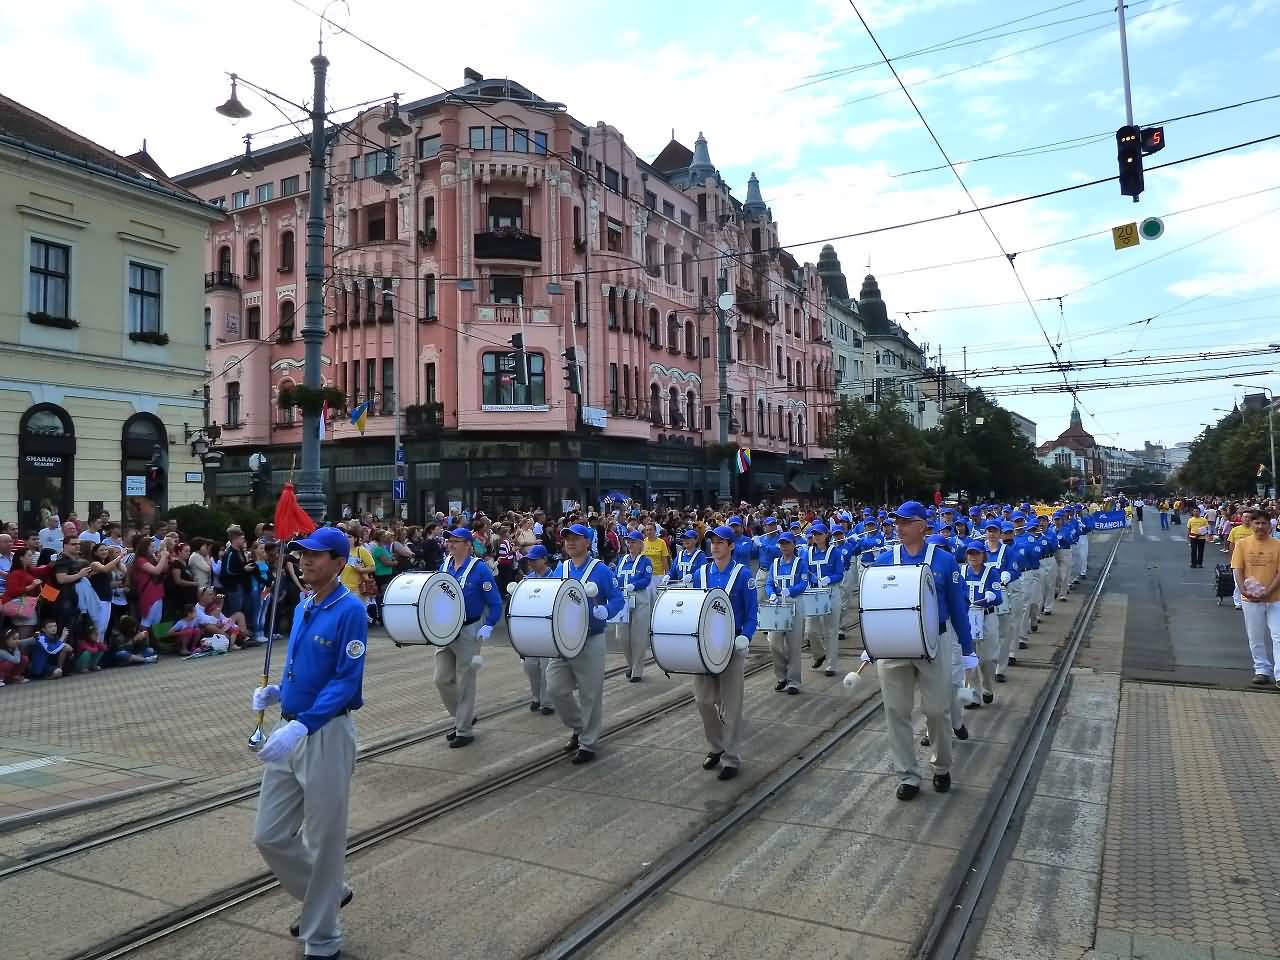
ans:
x=350 y=576
x=1258 y=558
x=656 y=550
x=1197 y=527
x=1239 y=532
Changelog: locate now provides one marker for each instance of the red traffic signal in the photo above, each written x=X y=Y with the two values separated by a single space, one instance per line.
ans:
x=1152 y=140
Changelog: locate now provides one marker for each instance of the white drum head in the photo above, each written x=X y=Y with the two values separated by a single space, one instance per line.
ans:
x=548 y=618
x=423 y=608
x=570 y=619
x=692 y=631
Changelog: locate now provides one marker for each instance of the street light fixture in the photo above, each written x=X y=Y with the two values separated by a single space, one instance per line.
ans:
x=387 y=177
x=233 y=108
x=392 y=125
x=249 y=164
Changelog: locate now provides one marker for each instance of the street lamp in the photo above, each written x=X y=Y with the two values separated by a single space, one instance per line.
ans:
x=1271 y=428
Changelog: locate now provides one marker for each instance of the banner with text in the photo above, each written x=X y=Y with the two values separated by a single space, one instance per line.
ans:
x=1109 y=520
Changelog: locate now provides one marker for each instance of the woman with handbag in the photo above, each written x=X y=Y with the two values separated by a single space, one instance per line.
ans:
x=22 y=590
x=357 y=575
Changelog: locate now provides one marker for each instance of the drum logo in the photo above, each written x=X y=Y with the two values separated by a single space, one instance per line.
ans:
x=575 y=596
x=449 y=591
x=718 y=606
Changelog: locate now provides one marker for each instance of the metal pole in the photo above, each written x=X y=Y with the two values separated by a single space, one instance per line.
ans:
x=1124 y=66
x=310 y=485
x=1271 y=437
x=723 y=322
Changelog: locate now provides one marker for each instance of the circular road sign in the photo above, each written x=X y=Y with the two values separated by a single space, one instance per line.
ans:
x=1152 y=228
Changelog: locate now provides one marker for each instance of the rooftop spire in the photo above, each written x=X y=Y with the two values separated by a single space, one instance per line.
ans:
x=754 y=207
x=701 y=167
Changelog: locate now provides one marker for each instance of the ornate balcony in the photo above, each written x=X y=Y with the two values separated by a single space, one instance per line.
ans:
x=220 y=278
x=508 y=245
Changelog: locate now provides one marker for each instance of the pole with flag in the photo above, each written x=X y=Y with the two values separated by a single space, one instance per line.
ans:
x=291 y=522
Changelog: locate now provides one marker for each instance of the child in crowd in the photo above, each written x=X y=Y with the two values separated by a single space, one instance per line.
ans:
x=50 y=652
x=129 y=645
x=13 y=662
x=89 y=647
x=188 y=630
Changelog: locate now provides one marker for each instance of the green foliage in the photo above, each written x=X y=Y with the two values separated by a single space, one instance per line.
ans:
x=1224 y=458
x=195 y=520
x=880 y=455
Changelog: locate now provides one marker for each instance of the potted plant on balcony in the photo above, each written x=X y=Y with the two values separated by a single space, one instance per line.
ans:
x=154 y=337
x=312 y=400
x=48 y=320
x=424 y=419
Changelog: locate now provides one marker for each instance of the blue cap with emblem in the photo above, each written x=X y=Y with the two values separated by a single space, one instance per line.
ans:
x=1006 y=527
x=911 y=510
x=974 y=546
x=536 y=552
x=458 y=533
x=577 y=530
x=787 y=538
x=818 y=527
x=689 y=535
x=992 y=525
x=724 y=533
x=735 y=520
x=324 y=540
x=1019 y=515
x=635 y=535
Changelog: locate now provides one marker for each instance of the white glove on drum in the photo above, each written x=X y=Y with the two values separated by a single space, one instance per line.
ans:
x=283 y=741
x=264 y=697
x=600 y=612
x=688 y=578
x=484 y=633
x=741 y=643
x=989 y=596
x=773 y=598
x=664 y=580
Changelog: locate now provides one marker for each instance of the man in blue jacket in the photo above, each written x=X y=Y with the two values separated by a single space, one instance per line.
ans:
x=584 y=673
x=899 y=679
x=635 y=575
x=456 y=664
x=719 y=696
x=788 y=577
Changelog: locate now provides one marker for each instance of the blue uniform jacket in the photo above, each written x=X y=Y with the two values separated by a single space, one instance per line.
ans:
x=744 y=550
x=637 y=571
x=686 y=562
x=796 y=573
x=824 y=563
x=1031 y=550
x=767 y=548
x=742 y=597
x=325 y=668
x=1048 y=543
x=978 y=584
x=1005 y=558
x=953 y=599
x=479 y=592
x=608 y=593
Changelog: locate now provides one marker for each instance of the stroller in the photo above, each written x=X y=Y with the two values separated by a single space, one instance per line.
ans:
x=1224 y=581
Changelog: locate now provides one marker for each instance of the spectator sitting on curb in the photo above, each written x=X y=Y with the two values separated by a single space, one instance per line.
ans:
x=50 y=651
x=13 y=662
x=128 y=644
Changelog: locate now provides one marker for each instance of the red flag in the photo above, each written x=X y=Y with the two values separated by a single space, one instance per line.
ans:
x=290 y=519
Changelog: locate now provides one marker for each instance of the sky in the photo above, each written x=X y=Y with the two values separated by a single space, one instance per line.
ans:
x=833 y=156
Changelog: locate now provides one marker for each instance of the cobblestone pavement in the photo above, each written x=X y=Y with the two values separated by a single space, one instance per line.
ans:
x=1190 y=867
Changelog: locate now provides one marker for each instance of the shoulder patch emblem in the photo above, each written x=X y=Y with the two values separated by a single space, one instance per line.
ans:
x=355 y=649
x=487 y=586
x=955 y=576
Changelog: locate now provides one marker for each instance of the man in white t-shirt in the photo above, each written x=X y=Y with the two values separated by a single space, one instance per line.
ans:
x=51 y=535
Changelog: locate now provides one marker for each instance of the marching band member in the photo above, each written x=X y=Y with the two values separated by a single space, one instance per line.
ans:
x=635 y=574
x=456 y=665
x=1026 y=541
x=744 y=548
x=900 y=678
x=719 y=696
x=1009 y=558
x=687 y=560
x=1066 y=562
x=535 y=668
x=983 y=586
x=585 y=672
x=1085 y=519
x=825 y=570
x=788 y=578
x=766 y=550
x=1048 y=564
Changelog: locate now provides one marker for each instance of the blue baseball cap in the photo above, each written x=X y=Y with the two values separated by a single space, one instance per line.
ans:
x=1019 y=515
x=724 y=533
x=537 y=552
x=950 y=510
x=937 y=539
x=458 y=533
x=911 y=510
x=577 y=530
x=635 y=535
x=818 y=527
x=787 y=538
x=795 y=525
x=689 y=535
x=1006 y=528
x=992 y=523
x=930 y=511
x=771 y=521
x=733 y=520
x=868 y=512
x=324 y=540
x=975 y=546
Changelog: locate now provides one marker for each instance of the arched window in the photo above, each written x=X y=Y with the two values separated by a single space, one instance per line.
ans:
x=46 y=462
x=355 y=303
x=253 y=323
x=144 y=465
x=791 y=427
x=673 y=332
x=284 y=415
x=800 y=430
x=690 y=411
x=654 y=339
x=370 y=304
x=760 y=425
x=690 y=343
x=286 y=321
x=286 y=252
x=673 y=408
x=655 y=404
x=253 y=260
x=224 y=261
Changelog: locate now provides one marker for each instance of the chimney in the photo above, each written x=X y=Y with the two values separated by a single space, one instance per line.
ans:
x=471 y=76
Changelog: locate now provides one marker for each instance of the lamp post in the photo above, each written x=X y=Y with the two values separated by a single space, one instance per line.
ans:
x=723 y=305
x=1271 y=429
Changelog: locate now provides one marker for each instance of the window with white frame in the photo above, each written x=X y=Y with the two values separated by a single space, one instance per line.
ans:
x=49 y=283
x=239 y=199
x=264 y=192
x=145 y=298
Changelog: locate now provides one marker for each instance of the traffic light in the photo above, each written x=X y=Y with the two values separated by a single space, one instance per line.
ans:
x=1129 y=155
x=1152 y=140
x=572 y=381
x=155 y=482
x=520 y=358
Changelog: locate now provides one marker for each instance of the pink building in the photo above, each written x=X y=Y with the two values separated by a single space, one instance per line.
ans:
x=511 y=217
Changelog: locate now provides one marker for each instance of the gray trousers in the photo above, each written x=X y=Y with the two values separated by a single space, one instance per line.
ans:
x=1081 y=553
x=535 y=668
x=1030 y=603
x=585 y=674
x=719 y=699
x=824 y=632
x=785 y=647
x=301 y=828
x=1049 y=583
x=634 y=636
x=1010 y=623
x=988 y=649
x=899 y=680
x=1066 y=561
x=455 y=677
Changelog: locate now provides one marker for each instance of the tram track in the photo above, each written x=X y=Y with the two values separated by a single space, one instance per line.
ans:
x=259 y=885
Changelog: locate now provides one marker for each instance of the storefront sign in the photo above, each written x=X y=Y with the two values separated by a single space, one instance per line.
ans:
x=190 y=477
x=595 y=417
x=135 y=486
x=43 y=463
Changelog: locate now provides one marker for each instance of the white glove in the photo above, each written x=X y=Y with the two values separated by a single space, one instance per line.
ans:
x=1004 y=577
x=664 y=580
x=688 y=578
x=600 y=612
x=484 y=633
x=773 y=598
x=866 y=657
x=741 y=643
x=824 y=581
x=591 y=589
x=283 y=741
x=989 y=596
x=264 y=697
x=511 y=587
x=629 y=588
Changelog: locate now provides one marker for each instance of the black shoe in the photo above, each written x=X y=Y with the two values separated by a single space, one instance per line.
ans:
x=1022 y=645
x=535 y=707
x=971 y=706
x=634 y=679
x=584 y=756
x=1261 y=680
x=941 y=782
x=728 y=773
x=1013 y=661
x=327 y=956
x=451 y=734
x=547 y=711
x=1035 y=628
x=1001 y=678
x=840 y=635
x=908 y=791
x=925 y=741
x=989 y=697
x=780 y=686
x=793 y=690
x=818 y=661
x=711 y=762
x=829 y=672
x=961 y=732
x=1048 y=613
x=295 y=930
x=572 y=745
x=460 y=741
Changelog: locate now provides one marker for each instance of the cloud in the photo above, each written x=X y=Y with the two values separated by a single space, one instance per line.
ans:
x=1238 y=16
x=864 y=136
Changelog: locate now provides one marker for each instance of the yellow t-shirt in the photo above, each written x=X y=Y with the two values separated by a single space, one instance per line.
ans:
x=1259 y=559
x=1197 y=527
x=1238 y=533
x=350 y=578
x=658 y=554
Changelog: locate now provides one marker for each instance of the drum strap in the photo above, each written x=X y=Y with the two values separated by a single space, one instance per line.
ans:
x=728 y=587
x=928 y=555
x=466 y=571
x=788 y=581
x=586 y=571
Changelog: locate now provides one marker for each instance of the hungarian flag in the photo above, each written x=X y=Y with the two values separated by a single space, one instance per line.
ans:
x=291 y=520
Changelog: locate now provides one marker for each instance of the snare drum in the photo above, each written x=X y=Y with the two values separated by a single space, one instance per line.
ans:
x=692 y=631
x=816 y=601
x=777 y=617
x=898 y=607
x=423 y=608
x=548 y=617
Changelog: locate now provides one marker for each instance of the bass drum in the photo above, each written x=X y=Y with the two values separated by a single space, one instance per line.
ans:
x=423 y=608
x=898 y=607
x=548 y=618
x=692 y=631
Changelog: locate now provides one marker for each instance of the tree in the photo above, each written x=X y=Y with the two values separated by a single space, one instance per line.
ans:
x=879 y=453
x=1224 y=458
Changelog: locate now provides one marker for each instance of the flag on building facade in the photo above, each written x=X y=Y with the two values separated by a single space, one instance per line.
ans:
x=360 y=415
x=743 y=460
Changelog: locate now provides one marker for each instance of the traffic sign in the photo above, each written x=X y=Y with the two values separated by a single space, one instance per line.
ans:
x=1152 y=228
x=1125 y=235
x=399 y=454
x=397 y=490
